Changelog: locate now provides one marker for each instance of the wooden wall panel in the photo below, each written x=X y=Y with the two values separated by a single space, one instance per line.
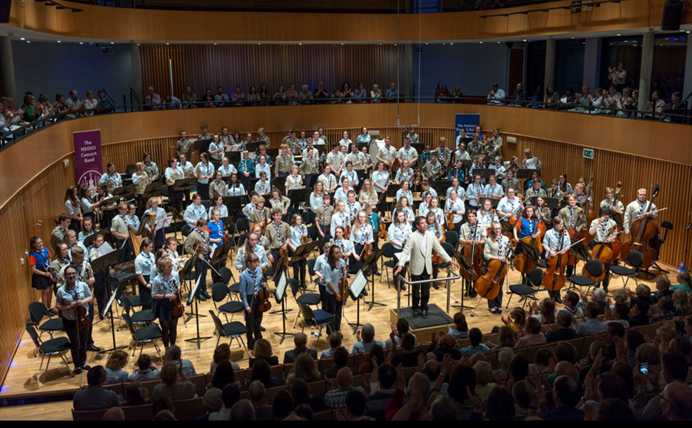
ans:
x=202 y=66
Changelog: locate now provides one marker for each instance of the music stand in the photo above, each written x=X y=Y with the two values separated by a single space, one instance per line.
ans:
x=580 y=251
x=273 y=152
x=441 y=187
x=130 y=169
x=551 y=203
x=466 y=164
x=467 y=265
x=299 y=195
x=525 y=173
x=369 y=266
x=279 y=183
x=253 y=181
x=280 y=296
x=527 y=250
x=190 y=298
x=202 y=145
x=234 y=204
x=420 y=147
x=356 y=291
x=617 y=217
x=184 y=184
x=391 y=191
x=233 y=158
x=103 y=264
x=123 y=190
x=109 y=308
x=153 y=190
x=485 y=173
x=163 y=224
x=185 y=272
x=252 y=146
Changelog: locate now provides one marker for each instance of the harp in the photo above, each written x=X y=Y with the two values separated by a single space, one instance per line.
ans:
x=136 y=235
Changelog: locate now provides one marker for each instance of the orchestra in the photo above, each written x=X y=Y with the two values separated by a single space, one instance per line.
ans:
x=348 y=210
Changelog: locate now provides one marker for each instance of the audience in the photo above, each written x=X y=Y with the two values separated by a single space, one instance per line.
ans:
x=174 y=383
x=301 y=341
x=94 y=396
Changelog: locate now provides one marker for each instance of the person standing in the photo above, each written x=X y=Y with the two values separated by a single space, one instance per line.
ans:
x=497 y=247
x=250 y=286
x=419 y=247
x=70 y=297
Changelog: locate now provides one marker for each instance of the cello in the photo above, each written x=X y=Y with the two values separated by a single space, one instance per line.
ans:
x=554 y=276
x=489 y=285
x=473 y=252
x=522 y=262
x=617 y=244
x=647 y=231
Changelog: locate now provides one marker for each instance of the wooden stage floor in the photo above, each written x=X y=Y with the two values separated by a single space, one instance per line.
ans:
x=25 y=378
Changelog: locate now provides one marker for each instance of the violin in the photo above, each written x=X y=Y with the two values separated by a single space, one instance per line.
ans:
x=178 y=309
x=647 y=231
x=81 y=318
x=305 y=239
x=282 y=252
x=347 y=231
x=343 y=285
x=383 y=232
x=473 y=252
x=264 y=304
x=367 y=251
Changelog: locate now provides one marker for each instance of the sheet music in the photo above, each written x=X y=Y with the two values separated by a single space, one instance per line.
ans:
x=165 y=222
x=280 y=288
x=105 y=249
x=397 y=255
x=358 y=283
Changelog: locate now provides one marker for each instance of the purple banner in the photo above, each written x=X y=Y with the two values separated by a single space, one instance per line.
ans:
x=87 y=156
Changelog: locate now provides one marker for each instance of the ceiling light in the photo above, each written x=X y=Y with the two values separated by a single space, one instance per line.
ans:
x=112 y=43
x=214 y=44
x=524 y=39
x=22 y=38
x=342 y=44
x=572 y=37
x=59 y=41
x=167 y=44
x=498 y=43
x=300 y=44
x=481 y=42
x=259 y=44
x=28 y=41
x=618 y=34
x=81 y=43
x=451 y=43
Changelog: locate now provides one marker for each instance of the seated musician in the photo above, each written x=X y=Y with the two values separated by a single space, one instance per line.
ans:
x=341 y=217
x=278 y=201
x=509 y=206
x=197 y=245
x=251 y=283
x=252 y=246
x=131 y=217
x=323 y=217
x=500 y=171
x=486 y=216
x=424 y=206
x=122 y=235
x=226 y=168
x=435 y=209
x=543 y=212
x=497 y=247
x=361 y=234
x=165 y=290
x=278 y=234
x=455 y=206
x=556 y=240
x=472 y=232
x=461 y=155
x=217 y=237
x=367 y=193
x=193 y=213
x=259 y=214
x=574 y=220
x=554 y=191
x=435 y=228
x=604 y=230
x=217 y=203
x=263 y=186
x=403 y=205
x=580 y=195
x=298 y=232
x=474 y=192
x=111 y=178
x=510 y=182
x=294 y=181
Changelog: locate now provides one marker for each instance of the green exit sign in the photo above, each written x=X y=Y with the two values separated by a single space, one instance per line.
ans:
x=588 y=153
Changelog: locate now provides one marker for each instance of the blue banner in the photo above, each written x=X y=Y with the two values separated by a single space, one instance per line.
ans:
x=467 y=121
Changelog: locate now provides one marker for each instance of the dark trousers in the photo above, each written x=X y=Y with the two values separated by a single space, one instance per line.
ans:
x=253 y=320
x=246 y=182
x=308 y=180
x=203 y=190
x=418 y=297
x=100 y=291
x=298 y=268
x=127 y=252
x=188 y=200
x=176 y=198
x=382 y=207
x=353 y=264
x=327 y=234
x=78 y=346
x=144 y=293
x=334 y=307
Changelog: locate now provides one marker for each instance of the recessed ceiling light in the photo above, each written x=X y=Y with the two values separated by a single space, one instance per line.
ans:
x=618 y=34
x=342 y=44
x=498 y=43
x=167 y=44
x=524 y=39
x=451 y=43
x=59 y=41
x=81 y=43
x=214 y=44
x=259 y=44
x=28 y=41
x=300 y=44
x=427 y=44
x=481 y=42
x=572 y=37
x=380 y=44
x=112 y=43
x=22 y=38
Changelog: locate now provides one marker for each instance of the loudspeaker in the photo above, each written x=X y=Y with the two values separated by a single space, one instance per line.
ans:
x=672 y=15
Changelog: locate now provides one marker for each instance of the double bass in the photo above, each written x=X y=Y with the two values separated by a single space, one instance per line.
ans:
x=489 y=285
x=617 y=245
x=647 y=231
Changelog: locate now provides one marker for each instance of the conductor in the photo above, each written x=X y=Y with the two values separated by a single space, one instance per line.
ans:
x=419 y=246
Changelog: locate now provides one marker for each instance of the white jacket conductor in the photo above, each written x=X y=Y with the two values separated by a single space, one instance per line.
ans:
x=419 y=246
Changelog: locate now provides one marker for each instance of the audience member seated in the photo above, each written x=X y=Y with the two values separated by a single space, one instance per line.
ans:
x=592 y=325
x=640 y=310
x=230 y=395
x=533 y=334
x=223 y=375
x=402 y=327
x=334 y=343
x=336 y=397
x=564 y=320
x=174 y=383
x=94 y=396
x=409 y=356
x=475 y=337
x=282 y=406
x=417 y=406
x=304 y=368
x=461 y=328
x=301 y=395
x=262 y=372
x=376 y=354
x=222 y=353
x=257 y=393
x=114 y=414
x=340 y=361
x=145 y=370
x=242 y=411
x=173 y=355
x=385 y=376
x=263 y=351
x=484 y=376
x=212 y=403
x=301 y=341
x=114 y=367
x=496 y=96
x=366 y=340
x=136 y=394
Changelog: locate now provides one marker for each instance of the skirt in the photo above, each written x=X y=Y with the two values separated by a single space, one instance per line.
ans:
x=163 y=309
x=40 y=282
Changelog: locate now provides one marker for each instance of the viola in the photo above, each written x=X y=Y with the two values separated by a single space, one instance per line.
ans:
x=178 y=309
x=383 y=232
x=264 y=304
x=282 y=253
x=367 y=251
x=647 y=231
x=488 y=286
x=450 y=221
x=81 y=318
x=347 y=232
